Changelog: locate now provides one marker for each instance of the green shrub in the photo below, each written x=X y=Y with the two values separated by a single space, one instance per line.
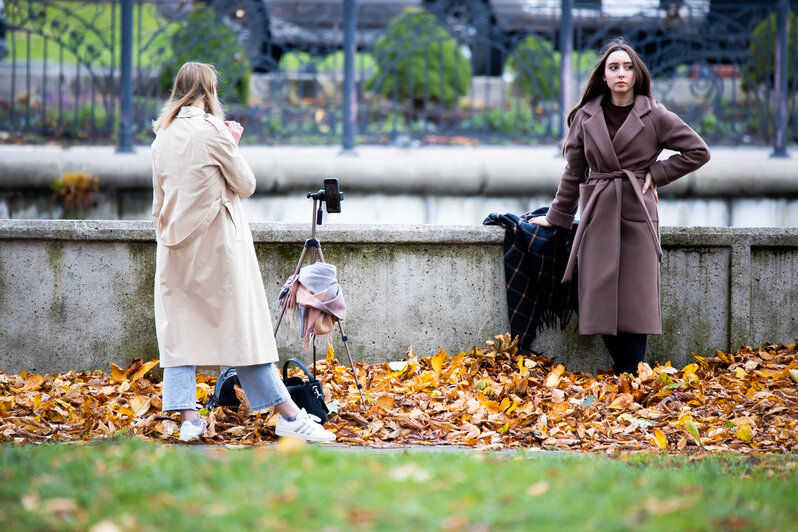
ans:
x=516 y=117
x=294 y=61
x=418 y=59
x=203 y=37
x=537 y=68
x=82 y=121
x=759 y=67
x=709 y=124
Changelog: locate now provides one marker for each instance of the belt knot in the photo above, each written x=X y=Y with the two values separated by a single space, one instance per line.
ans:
x=617 y=174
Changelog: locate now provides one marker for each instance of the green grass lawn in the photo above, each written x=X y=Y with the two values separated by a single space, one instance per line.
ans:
x=139 y=485
x=91 y=23
x=97 y=18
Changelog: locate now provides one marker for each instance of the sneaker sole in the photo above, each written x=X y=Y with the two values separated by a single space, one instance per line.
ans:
x=302 y=436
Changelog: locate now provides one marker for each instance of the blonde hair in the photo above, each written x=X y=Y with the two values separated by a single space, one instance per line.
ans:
x=192 y=82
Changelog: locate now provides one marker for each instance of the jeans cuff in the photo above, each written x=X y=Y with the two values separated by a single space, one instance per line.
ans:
x=170 y=408
x=269 y=405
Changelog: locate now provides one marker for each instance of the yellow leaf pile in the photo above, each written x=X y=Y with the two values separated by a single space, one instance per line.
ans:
x=489 y=398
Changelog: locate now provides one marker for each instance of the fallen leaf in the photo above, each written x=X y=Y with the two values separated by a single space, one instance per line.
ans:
x=330 y=356
x=660 y=439
x=437 y=362
x=385 y=402
x=554 y=377
x=536 y=489
x=140 y=405
x=693 y=430
x=118 y=374
x=409 y=471
x=622 y=401
x=145 y=368
x=32 y=383
x=397 y=365
x=288 y=446
x=745 y=433
x=58 y=505
x=105 y=526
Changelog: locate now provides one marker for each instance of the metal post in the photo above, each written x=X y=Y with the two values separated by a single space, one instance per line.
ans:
x=566 y=50
x=780 y=80
x=349 y=93
x=126 y=80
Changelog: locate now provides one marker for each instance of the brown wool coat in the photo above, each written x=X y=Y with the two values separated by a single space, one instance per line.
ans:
x=210 y=306
x=617 y=244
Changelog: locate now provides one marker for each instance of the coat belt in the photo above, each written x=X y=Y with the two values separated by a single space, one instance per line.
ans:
x=605 y=178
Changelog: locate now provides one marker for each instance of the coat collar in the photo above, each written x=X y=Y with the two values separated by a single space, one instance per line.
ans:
x=189 y=112
x=596 y=127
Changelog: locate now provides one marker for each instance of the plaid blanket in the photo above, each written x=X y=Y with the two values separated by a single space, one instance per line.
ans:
x=534 y=261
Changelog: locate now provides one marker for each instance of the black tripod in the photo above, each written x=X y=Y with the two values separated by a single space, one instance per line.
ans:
x=331 y=196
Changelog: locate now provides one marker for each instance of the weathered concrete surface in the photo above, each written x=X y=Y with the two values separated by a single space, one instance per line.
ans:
x=740 y=187
x=78 y=295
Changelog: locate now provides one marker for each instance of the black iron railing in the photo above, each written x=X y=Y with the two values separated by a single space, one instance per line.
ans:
x=359 y=71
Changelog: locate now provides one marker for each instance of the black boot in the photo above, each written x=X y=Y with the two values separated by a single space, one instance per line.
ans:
x=626 y=350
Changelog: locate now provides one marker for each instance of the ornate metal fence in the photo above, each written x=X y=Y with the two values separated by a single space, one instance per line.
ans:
x=58 y=79
x=424 y=71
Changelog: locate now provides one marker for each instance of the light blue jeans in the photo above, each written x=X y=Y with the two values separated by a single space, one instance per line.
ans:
x=261 y=383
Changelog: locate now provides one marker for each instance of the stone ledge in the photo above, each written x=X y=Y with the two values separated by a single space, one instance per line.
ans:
x=278 y=233
x=128 y=230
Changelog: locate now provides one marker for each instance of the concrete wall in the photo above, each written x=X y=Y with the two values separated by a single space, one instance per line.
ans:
x=78 y=294
x=739 y=187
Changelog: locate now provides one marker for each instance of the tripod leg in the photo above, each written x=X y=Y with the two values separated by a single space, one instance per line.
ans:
x=314 y=356
x=352 y=364
x=296 y=272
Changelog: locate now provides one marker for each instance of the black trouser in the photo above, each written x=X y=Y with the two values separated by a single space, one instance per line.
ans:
x=626 y=349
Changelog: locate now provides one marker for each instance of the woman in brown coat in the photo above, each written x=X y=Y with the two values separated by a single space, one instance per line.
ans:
x=210 y=306
x=617 y=132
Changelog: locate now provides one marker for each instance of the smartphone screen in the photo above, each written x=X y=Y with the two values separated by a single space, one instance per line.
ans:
x=332 y=195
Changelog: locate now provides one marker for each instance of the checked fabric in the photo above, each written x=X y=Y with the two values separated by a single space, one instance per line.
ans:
x=535 y=258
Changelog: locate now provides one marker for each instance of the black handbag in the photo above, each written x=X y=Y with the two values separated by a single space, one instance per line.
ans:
x=306 y=394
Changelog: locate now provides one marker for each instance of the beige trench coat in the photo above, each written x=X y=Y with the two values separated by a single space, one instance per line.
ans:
x=210 y=305
x=617 y=243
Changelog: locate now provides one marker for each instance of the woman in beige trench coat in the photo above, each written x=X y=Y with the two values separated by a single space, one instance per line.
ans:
x=210 y=305
x=617 y=132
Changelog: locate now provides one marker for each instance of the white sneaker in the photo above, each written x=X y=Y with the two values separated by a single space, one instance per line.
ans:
x=305 y=427
x=191 y=430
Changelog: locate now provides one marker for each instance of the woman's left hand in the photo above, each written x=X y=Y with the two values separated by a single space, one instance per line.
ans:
x=541 y=221
x=650 y=184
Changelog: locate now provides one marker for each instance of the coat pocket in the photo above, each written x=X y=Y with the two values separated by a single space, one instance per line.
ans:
x=631 y=209
x=232 y=212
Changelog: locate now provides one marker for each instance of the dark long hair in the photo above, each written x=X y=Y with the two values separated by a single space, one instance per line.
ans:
x=596 y=86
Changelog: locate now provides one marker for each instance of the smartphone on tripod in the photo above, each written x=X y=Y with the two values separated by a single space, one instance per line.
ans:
x=332 y=195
